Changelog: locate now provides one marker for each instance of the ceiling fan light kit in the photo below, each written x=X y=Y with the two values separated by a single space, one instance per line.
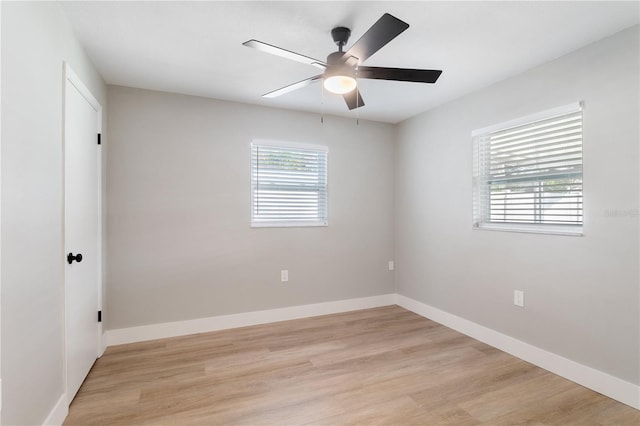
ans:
x=340 y=84
x=342 y=68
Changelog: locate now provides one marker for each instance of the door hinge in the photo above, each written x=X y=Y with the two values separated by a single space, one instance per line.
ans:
x=99 y=316
x=99 y=137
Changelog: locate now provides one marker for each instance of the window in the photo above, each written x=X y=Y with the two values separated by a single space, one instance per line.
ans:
x=288 y=184
x=527 y=173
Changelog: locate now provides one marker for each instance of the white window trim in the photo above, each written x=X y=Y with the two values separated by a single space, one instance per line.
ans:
x=549 y=229
x=565 y=109
x=293 y=223
x=287 y=144
x=574 y=231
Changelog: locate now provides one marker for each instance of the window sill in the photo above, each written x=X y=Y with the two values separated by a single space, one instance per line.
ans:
x=573 y=231
x=288 y=224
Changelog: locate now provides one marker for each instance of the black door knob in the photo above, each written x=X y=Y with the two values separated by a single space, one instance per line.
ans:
x=71 y=258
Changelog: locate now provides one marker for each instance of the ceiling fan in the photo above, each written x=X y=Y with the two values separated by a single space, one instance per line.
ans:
x=342 y=69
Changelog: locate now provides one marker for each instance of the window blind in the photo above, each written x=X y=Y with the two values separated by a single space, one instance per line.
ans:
x=530 y=173
x=288 y=185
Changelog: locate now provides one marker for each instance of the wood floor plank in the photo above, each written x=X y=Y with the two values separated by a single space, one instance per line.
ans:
x=510 y=398
x=397 y=411
x=375 y=366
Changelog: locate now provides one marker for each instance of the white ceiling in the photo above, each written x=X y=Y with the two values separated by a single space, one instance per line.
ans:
x=196 y=48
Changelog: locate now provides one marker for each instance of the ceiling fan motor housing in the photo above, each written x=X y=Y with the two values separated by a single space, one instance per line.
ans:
x=337 y=66
x=335 y=58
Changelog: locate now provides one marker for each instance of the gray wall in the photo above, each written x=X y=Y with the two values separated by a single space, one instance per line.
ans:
x=36 y=38
x=180 y=245
x=581 y=293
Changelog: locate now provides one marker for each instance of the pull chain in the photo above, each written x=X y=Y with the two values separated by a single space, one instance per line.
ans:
x=322 y=104
x=357 y=99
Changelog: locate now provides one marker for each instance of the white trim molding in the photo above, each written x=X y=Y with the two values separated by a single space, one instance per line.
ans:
x=606 y=384
x=223 y=322
x=58 y=413
x=552 y=112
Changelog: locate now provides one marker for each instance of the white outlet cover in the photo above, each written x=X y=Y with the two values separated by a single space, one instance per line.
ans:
x=391 y=265
x=518 y=298
x=284 y=275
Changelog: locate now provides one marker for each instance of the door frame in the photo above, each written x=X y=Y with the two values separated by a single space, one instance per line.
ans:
x=70 y=77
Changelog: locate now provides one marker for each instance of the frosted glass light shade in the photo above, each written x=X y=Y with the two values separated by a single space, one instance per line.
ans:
x=340 y=84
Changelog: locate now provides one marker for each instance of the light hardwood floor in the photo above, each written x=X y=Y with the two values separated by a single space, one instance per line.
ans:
x=375 y=366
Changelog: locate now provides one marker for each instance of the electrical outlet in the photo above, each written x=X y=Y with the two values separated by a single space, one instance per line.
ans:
x=518 y=298
x=391 y=265
x=284 y=275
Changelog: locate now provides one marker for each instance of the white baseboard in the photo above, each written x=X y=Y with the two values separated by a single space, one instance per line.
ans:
x=58 y=413
x=223 y=322
x=102 y=340
x=601 y=382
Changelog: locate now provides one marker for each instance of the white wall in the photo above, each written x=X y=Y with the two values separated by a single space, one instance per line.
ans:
x=36 y=39
x=581 y=293
x=180 y=245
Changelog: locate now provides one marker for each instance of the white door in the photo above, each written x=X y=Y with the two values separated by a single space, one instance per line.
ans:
x=82 y=231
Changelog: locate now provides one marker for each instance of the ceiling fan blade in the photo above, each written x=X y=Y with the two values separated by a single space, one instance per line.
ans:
x=399 y=74
x=382 y=32
x=353 y=99
x=292 y=87
x=274 y=50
